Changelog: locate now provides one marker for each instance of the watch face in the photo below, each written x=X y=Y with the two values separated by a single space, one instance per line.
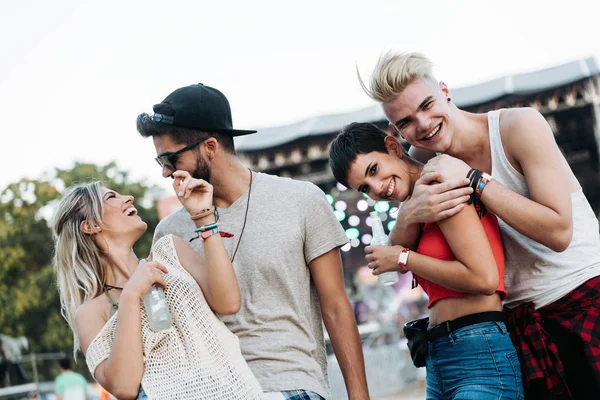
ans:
x=403 y=257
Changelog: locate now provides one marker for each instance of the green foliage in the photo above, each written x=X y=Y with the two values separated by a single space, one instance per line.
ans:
x=28 y=294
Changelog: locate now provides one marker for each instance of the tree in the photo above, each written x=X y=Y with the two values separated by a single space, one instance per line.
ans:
x=28 y=294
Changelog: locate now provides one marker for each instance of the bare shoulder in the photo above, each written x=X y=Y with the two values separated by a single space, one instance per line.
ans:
x=90 y=317
x=91 y=308
x=515 y=122
x=524 y=131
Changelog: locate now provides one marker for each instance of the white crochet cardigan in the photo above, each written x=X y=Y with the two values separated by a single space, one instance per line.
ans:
x=198 y=357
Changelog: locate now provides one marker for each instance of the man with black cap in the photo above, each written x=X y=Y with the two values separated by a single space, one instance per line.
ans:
x=283 y=240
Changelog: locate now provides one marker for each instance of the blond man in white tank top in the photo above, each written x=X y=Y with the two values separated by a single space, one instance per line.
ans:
x=549 y=230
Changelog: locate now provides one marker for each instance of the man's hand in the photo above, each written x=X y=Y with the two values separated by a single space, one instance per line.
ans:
x=383 y=259
x=433 y=202
x=449 y=168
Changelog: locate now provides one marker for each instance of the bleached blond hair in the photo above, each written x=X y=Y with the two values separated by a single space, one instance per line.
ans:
x=79 y=264
x=394 y=72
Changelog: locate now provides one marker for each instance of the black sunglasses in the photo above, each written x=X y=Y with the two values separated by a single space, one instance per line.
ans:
x=170 y=159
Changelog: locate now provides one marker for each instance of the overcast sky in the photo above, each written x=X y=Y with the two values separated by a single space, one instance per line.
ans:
x=75 y=74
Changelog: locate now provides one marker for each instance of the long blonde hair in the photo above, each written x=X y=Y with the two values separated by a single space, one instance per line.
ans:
x=394 y=72
x=79 y=264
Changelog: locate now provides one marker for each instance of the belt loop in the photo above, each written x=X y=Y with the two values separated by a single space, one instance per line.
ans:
x=448 y=327
x=501 y=327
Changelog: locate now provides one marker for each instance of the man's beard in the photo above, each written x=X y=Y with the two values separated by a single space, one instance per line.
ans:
x=202 y=170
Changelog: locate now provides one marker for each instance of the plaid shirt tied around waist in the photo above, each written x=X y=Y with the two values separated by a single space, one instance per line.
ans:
x=579 y=313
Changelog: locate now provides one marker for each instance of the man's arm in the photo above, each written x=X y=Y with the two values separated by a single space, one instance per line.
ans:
x=328 y=276
x=473 y=271
x=530 y=146
x=546 y=218
x=430 y=202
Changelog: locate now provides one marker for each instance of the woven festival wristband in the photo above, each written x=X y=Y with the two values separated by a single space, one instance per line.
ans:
x=208 y=233
x=483 y=181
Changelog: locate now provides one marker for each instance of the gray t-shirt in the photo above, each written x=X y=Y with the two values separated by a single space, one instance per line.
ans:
x=289 y=224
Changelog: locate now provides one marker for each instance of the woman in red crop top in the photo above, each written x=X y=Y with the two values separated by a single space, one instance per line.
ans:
x=459 y=263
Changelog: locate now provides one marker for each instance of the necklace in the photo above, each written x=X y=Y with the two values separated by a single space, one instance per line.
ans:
x=245 y=218
x=114 y=305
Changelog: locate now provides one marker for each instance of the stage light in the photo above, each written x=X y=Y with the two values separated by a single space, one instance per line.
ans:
x=382 y=206
x=340 y=205
x=362 y=205
x=390 y=225
x=346 y=247
x=341 y=187
x=352 y=233
x=329 y=198
x=366 y=239
x=340 y=215
x=353 y=220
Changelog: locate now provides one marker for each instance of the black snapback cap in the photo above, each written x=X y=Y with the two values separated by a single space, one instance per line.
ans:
x=200 y=107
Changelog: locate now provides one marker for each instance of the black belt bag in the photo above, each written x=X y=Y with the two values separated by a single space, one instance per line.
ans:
x=418 y=336
x=415 y=333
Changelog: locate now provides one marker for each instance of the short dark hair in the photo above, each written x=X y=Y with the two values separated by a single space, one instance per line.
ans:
x=354 y=139
x=64 y=363
x=147 y=128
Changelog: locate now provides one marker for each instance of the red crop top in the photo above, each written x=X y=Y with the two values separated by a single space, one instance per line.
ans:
x=433 y=244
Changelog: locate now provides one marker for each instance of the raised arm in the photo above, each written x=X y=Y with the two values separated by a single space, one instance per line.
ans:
x=215 y=275
x=474 y=270
x=121 y=373
x=546 y=217
x=430 y=202
x=530 y=147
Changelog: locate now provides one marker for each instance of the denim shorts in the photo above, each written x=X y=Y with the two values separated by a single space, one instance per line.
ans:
x=477 y=362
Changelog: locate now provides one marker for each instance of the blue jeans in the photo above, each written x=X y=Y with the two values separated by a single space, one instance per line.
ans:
x=477 y=362
x=142 y=395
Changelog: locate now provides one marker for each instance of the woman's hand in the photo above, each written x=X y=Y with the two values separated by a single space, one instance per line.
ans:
x=195 y=195
x=384 y=259
x=145 y=275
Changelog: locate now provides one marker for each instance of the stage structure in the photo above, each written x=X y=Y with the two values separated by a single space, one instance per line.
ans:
x=567 y=95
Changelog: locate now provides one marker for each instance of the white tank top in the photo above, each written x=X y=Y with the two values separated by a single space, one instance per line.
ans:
x=198 y=357
x=533 y=272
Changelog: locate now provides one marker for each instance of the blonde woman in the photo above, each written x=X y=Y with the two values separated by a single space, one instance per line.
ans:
x=102 y=284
